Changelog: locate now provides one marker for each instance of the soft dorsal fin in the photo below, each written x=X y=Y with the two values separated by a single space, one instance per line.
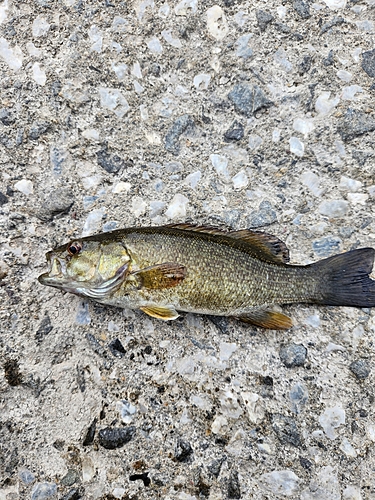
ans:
x=263 y=246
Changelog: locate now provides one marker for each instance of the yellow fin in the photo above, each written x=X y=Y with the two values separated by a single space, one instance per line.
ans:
x=268 y=319
x=165 y=313
x=165 y=275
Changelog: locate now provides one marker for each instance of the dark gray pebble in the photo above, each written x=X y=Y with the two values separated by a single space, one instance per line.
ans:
x=326 y=246
x=293 y=355
x=6 y=117
x=183 y=452
x=248 y=99
x=116 y=348
x=330 y=59
x=235 y=132
x=305 y=65
x=56 y=202
x=346 y=231
x=234 y=490
x=355 y=123
x=368 y=62
x=302 y=8
x=70 y=478
x=115 y=437
x=95 y=345
x=184 y=123
x=73 y=494
x=37 y=129
x=262 y=217
x=361 y=157
x=3 y=199
x=263 y=19
x=335 y=21
x=141 y=477
x=110 y=162
x=215 y=466
x=90 y=434
x=283 y=28
x=286 y=430
x=360 y=368
x=44 y=329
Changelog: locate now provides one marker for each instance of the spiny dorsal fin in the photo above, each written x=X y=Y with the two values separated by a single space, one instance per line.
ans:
x=263 y=246
x=268 y=319
x=165 y=313
x=165 y=275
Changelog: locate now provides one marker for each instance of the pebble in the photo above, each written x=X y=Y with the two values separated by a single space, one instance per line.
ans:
x=174 y=42
x=113 y=100
x=138 y=206
x=305 y=65
x=243 y=49
x=186 y=7
x=109 y=226
x=37 y=129
x=326 y=246
x=110 y=162
x=355 y=123
x=12 y=56
x=226 y=350
x=334 y=208
x=121 y=187
x=91 y=134
x=217 y=23
x=42 y=491
x=235 y=132
x=57 y=202
x=96 y=39
x=324 y=105
x=254 y=141
x=184 y=123
x=335 y=4
x=40 y=27
x=202 y=81
x=248 y=99
x=233 y=489
x=192 y=179
x=348 y=448
x=348 y=93
x=357 y=198
x=39 y=75
x=346 y=76
x=6 y=117
x=360 y=368
x=82 y=314
x=88 y=469
x=115 y=437
x=154 y=45
x=24 y=186
x=298 y=396
x=350 y=184
x=296 y=146
x=240 y=180
x=263 y=19
x=127 y=411
x=183 y=451
x=73 y=494
x=324 y=485
x=90 y=434
x=177 y=207
x=44 y=329
x=116 y=348
x=70 y=478
x=26 y=476
x=352 y=493
x=93 y=221
x=254 y=407
x=312 y=181
x=293 y=355
x=280 y=483
x=262 y=217
x=335 y=21
x=302 y=8
x=368 y=62
x=304 y=126
x=214 y=467
x=331 y=419
x=286 y=430
x=121 y=70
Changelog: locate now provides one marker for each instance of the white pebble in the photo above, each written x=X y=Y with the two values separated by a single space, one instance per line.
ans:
x=164 y=10
x=304 y=126
x=138 y=206
x=121 y=70
x=113 y=100
x=347 y=448
x=121 y=187
x=340 y=146
x=335 y=4
x=24 y=186
x=138 y=87
x=331 y=347
x=177 y=207
x=3 y=11
x=155 y=46
x=175 y=42
x=202 y=81
x=32 y=50
x=365 y=25
x=226 y=350
x=156 y=208
x=254 y=141
x=276 y=135
x=346 y=76
x=82 y=314
x=229 y=404
x=40 y=27
x=39 y=75
x=241 y=18
x=193 y=179
x=113 y=327
x=331 y=419
x=91 y=134
x=243 y=49
x=12 y=56
x=280 y=483
x=240 y=180
x=281 y=11
x=88 y=469
x=126 y=410
x=217 y=24
x=296 y=146
x=352 y=493
x=201 y=402
x=119 y=492
x=91 y=181
x=358 y=198
x=136 y=71
x=371 y=191
x=349 y=93
x=324 y=104
x=186 y=7
x=334 y=208
x=350 y=184
x=220 y=163
x=93 y=221
x=312 y=181
x=313 y=320
x=254 y=406
x=96 y=39
x=119 y=24
x=141 y=7
x=218 y=424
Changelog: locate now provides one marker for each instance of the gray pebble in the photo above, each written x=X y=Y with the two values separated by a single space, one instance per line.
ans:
x=184 y=123
x=70 y=478
x=346 y=232
x=37 y=129
x=232 y=217
x=73 y=494
x=330 y=59
x=110 y=162
x=44 y=329
x=215 y=466
x=335 y=21
x=302 y=8
x=116 y=348
x=90 y=434
x=263 y=19
x=6 y=117
x=293 y=355
x=95 y=345
x=42 y=491
x=183 y=452
x=248 y=99
x=235 y=132
x=3 y=199
x=368 y=62
x=234 y=490
x=57 y=202
x=305 y=65
x=262 y=217
x=286 y=430
x=360 y=368
x=26 y=476
x=355 y=123
x=115 y=437
x=283 y=28
x=361 y=157
x=324 y=247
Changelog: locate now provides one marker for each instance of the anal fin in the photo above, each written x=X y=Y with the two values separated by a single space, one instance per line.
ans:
x=165 y=313
x=265 y=318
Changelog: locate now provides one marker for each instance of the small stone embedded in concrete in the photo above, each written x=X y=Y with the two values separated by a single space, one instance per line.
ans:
x=263 y=19
x=110 y=162
x=217 y=23
x=26 y=476
x=368 y=62
x=184 y=123
x=355 y=123
x=38 y=129
x=90 y=434
x=233 y=490
x=115 y=437
x=298 y=396
x=43 y=491
x=126 y=410
x=44 y=329
x=334 y=208
x=177 y=207
x=73 y=494
x=293 y=355
x=183 y=451
x=335 y=21
x=214 y=467
x=305 y=65
x=248 y=99
x=6 y=117
x=57 y=202
x=3 y=199
x=325 y=104
x=302 y=8
x=116 y=348
x=40 y=27
x=243 y=49
x=331 y=419
x=113 y=100
x=11 y=55
x=326 y=246
x=360 y=368
x=296 y=146
x=24 y=186
x=70 y=478
x=280 y=483
x=286 y=430
x=262 y=217
x=235 y=132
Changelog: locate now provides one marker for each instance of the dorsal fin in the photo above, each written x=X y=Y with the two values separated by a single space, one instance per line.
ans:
x=263 y=246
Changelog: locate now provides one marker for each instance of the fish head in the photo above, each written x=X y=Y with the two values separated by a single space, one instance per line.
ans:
x=87 y=267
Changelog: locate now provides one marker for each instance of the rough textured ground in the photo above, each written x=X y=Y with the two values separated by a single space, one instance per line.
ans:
x=245 y=114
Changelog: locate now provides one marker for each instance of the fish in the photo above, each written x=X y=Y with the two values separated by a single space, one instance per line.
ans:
x=176 y=268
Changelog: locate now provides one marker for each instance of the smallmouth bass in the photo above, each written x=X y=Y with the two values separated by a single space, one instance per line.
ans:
x=204 y=270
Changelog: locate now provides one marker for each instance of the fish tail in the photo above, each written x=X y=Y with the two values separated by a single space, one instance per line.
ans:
x=345 y=279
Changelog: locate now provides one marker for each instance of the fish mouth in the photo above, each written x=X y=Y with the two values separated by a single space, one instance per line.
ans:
x=56 y=273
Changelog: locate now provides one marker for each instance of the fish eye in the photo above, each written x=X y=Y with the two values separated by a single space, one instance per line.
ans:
x=74 y=248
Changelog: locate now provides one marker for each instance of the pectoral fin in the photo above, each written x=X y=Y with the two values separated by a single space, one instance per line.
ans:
x=165 y=275
x=268 y=319
x=165 y=313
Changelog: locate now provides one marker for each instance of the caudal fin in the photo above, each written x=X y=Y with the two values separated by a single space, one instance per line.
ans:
x=345 y=279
